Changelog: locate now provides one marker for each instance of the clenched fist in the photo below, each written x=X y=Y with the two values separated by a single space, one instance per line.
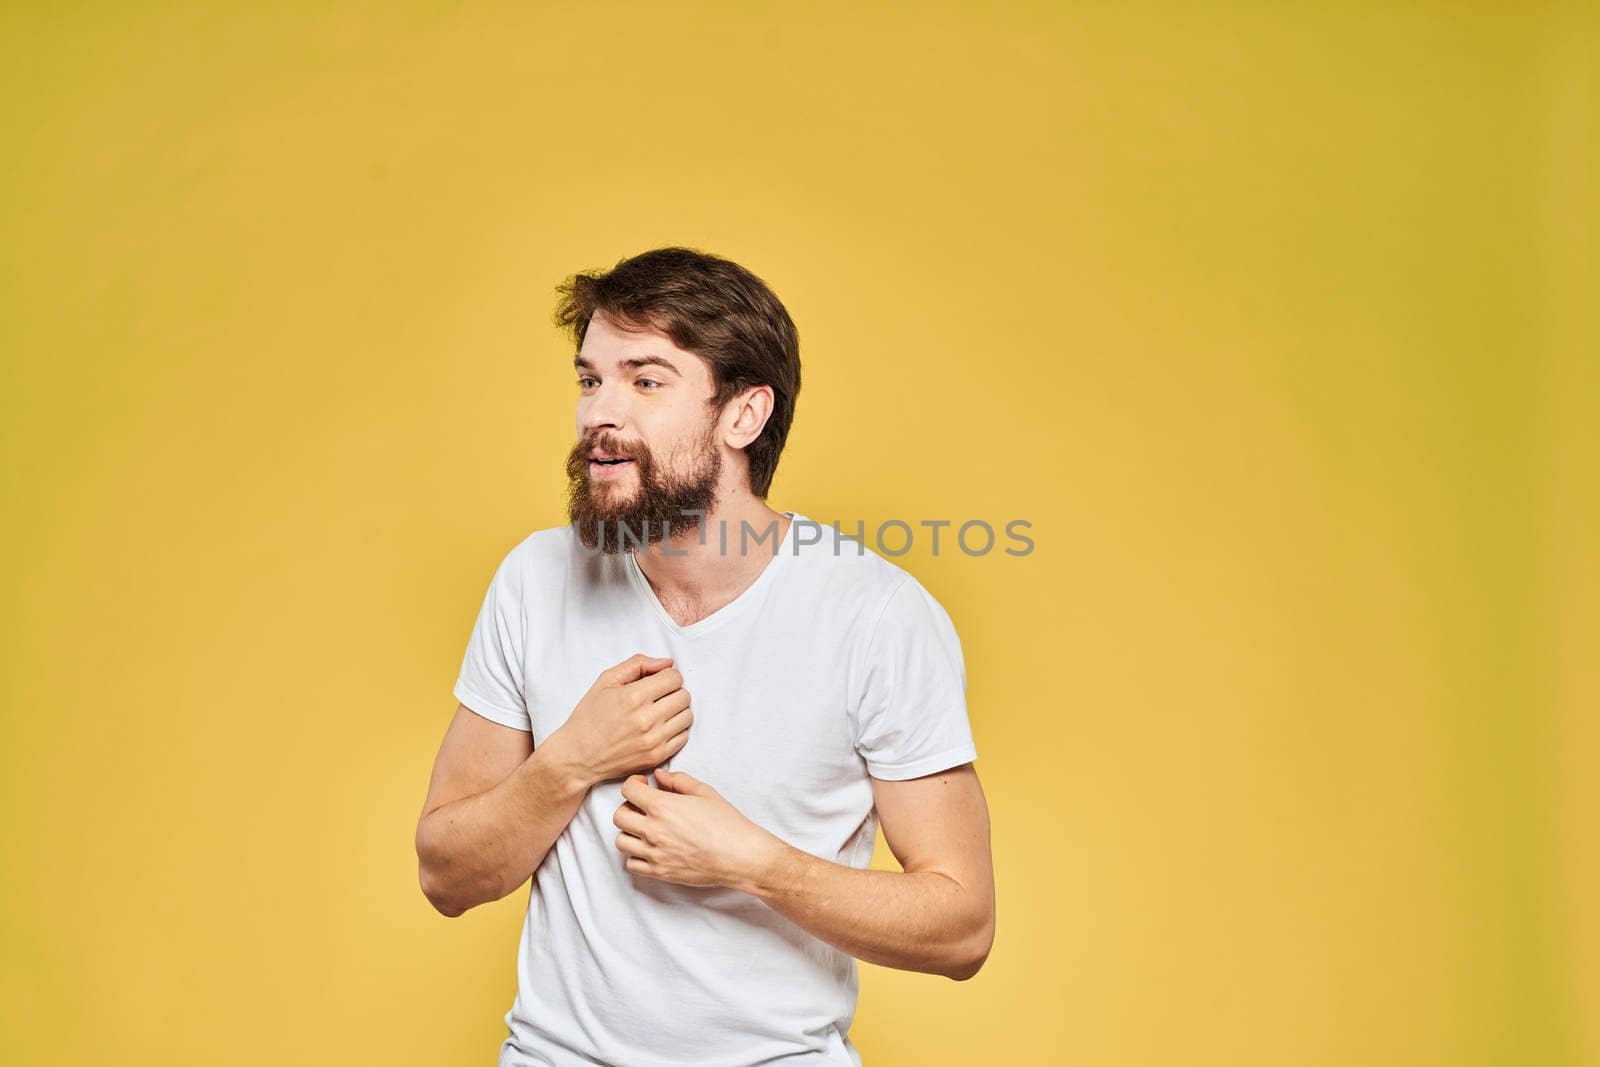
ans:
x=634 y=716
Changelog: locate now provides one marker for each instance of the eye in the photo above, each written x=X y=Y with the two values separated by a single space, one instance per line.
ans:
x=651 y=382
x=585 y=383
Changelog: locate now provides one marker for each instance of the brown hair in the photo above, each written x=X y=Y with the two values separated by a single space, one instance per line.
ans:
x=709 y=306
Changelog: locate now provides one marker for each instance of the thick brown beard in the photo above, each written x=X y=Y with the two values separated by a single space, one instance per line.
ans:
x=661 y=499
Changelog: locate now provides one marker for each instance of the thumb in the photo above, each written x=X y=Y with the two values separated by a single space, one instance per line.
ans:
x=678 y=781
x=633 y=668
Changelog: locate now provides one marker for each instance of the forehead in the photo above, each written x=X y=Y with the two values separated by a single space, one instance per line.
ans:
x=606 y=346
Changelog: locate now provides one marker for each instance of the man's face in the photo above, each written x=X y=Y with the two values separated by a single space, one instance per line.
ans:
x=647 y=447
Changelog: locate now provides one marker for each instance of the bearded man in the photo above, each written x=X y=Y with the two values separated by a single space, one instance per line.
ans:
x=699 y=863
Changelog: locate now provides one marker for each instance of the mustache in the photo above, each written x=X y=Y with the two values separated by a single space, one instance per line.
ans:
x=578 y=458
x=608 y=443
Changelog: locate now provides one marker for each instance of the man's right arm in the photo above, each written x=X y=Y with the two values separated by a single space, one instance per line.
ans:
x=494 y=807
x=496 y=803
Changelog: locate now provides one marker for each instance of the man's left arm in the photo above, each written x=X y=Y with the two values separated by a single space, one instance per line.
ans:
x=936 y=914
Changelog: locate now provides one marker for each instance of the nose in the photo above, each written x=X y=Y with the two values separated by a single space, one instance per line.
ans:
x=600 y=410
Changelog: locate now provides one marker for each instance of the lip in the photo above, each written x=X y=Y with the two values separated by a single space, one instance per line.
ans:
x=609 y=470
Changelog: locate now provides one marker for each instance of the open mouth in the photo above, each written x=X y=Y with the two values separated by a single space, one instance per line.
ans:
x=604 y=463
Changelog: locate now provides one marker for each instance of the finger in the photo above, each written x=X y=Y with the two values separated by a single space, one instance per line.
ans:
x=671 y=736
x=682 y=782
x=630 y=844
x=637 y=666
x=633 y=668
x=672 y=703
x=677 y=724
x=637 y=790
x=659 y=684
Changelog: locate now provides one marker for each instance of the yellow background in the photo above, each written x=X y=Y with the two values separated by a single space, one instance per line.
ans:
x=1276 y=324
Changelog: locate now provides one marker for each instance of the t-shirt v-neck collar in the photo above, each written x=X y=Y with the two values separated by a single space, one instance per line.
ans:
x=737 y=606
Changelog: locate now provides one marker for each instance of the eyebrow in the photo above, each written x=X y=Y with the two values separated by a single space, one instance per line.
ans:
x=632 y=364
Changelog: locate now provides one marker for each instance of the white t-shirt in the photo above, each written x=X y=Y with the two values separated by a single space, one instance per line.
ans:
x=833 y=665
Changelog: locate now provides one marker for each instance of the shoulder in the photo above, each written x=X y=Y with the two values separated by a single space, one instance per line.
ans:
x=545 y=547
x=849 y=574
x=539 y=559
x=897 y=635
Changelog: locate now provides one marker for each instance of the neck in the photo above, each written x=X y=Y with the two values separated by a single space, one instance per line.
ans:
x=683 y=566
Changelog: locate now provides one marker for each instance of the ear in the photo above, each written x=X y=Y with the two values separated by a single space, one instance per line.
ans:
x=750 y=410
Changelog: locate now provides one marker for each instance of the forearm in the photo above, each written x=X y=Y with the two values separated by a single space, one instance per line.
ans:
x=909 y=920
x=480 y=848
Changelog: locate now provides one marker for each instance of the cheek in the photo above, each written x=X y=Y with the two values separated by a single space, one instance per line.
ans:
x=688 y=445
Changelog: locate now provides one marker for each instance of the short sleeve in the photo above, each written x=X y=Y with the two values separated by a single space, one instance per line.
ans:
x=910 y=694
x=491 y=678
